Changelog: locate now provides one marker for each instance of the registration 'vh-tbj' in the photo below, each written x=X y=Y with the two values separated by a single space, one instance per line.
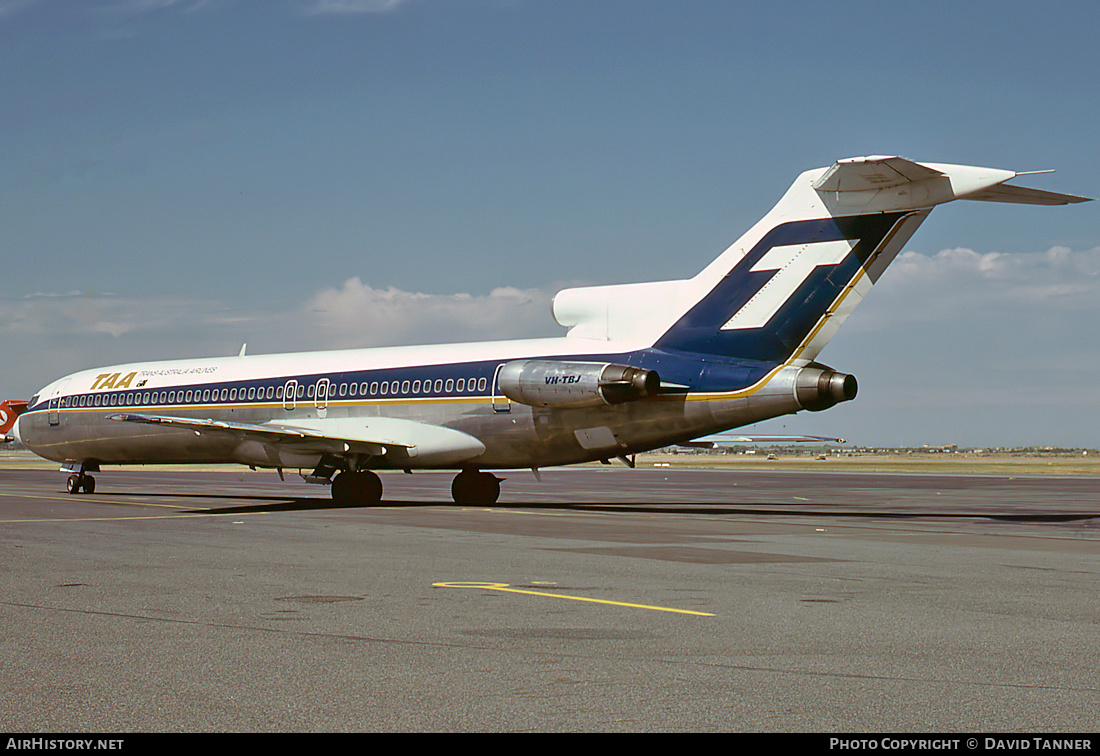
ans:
x=642 y=366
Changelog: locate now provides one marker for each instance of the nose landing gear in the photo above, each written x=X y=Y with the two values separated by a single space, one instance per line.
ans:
x=79 y=481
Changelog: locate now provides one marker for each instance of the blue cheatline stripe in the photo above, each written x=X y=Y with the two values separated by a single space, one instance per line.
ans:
x=700 y=330
x=400 y=382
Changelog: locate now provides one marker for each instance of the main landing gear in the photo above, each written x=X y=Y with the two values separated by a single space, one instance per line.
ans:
x=475 y=487
x=80 y=483
x=364 y=488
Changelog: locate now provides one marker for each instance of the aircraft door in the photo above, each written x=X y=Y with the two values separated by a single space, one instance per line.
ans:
x=53 y=407
x=290 y=395
x=320 y=396
x=501 y=403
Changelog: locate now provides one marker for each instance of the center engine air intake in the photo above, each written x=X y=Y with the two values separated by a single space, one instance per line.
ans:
x=547 y=383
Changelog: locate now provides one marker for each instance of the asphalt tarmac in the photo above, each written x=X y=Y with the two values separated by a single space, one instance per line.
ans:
x=596 y=599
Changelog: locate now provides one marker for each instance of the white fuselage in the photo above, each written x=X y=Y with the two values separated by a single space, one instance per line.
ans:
x=451 y=386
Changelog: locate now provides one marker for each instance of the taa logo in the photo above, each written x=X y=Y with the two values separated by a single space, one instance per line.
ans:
x=113 y=380
x=793 y=264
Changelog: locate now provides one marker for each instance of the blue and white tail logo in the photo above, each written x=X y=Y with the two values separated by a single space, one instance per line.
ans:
x=775 y=298
x=793 y=264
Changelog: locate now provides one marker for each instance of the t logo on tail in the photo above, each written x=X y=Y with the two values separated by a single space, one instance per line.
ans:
x=793 y=264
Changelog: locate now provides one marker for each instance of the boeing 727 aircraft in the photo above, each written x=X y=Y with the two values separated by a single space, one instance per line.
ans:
x=643 y=365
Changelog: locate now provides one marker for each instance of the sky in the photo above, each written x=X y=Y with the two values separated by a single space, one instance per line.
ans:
x=180 y=177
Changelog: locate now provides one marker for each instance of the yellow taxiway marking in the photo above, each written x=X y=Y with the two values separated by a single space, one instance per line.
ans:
x=507 y=589
x=120 y=502
x=59 y=496
x=120 y=518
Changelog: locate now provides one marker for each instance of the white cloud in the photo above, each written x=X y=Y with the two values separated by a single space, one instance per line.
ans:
x=357 y=315
x=42 y=316
x=324 y=7
x=145 y=6
x=954 y=282
x=1057 y=263
x=43 y=336
x=139 y=7
x=11 y=7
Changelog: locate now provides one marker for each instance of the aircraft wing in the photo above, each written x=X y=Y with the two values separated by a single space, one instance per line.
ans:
x=377 y=436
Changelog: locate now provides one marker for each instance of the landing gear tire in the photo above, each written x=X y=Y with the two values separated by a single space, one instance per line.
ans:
x=475 y=487
x=75 y=484
x=357 y=489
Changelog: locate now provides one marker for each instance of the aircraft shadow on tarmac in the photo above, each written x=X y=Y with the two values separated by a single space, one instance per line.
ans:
x=260 y=503
x=710 y=509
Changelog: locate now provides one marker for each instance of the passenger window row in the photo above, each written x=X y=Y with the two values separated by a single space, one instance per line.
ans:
x=322 y=389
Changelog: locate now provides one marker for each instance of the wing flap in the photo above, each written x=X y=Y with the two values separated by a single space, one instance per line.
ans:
x=285 y=436
x=429 y=444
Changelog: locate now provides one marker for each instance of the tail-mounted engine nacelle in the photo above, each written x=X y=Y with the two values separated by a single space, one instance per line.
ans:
x=817 y=388
x=547 y=383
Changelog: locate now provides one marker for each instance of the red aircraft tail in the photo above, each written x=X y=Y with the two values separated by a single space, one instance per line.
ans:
x=9 y=411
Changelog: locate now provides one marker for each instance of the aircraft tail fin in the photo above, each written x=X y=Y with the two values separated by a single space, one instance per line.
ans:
x=781 y=291
x=10 y=410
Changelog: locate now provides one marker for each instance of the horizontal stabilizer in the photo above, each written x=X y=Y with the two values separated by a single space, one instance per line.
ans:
x=1024 y=195
x=861 y=174
x=883 y=182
